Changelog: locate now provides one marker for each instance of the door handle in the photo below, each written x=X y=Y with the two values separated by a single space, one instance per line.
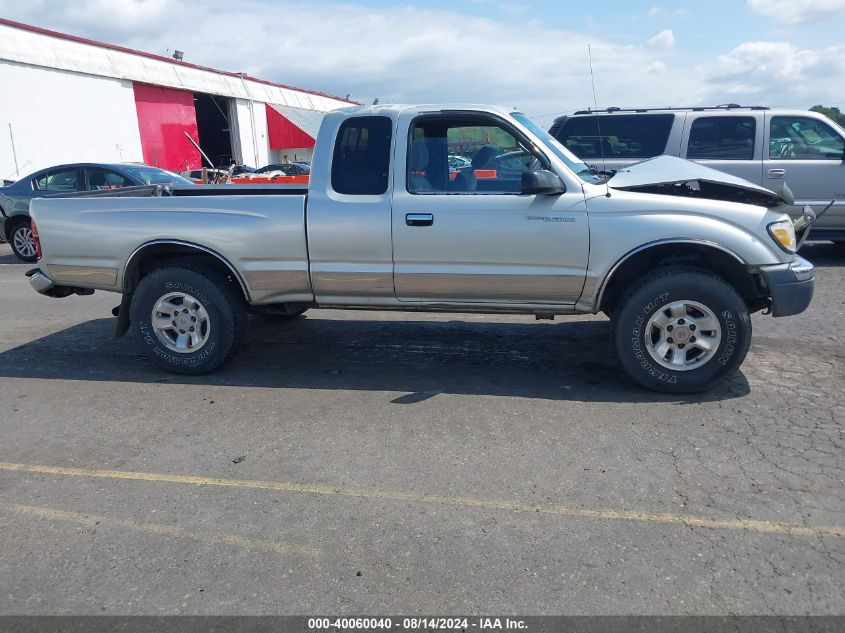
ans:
x=419 y=219
x=776 y=173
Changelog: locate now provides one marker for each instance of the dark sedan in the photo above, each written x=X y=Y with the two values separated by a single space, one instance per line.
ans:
x=289 y=169
x=14 y=199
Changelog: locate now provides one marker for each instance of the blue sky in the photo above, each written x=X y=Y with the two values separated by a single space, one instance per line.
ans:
x=531 y=55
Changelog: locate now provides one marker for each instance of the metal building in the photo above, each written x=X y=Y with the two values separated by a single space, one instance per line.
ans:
x=69 y=99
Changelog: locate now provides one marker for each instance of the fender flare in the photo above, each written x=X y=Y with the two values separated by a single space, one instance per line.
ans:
x=193 y=245
x=607 y=278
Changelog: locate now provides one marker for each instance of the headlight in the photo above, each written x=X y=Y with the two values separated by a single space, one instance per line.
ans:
x=784 y=234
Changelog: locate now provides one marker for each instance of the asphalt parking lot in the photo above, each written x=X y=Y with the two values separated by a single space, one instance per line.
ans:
x=380 y=463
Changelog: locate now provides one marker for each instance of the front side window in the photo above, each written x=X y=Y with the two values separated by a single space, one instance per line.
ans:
x=804 y=138
x=62 y=180
x=361 y=160
x=466 y=154
x=722 y=137
x=101 y=179
x=616 y=135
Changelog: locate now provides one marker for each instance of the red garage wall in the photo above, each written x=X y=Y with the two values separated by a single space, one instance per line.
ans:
x=283 y=133
x=164 y=115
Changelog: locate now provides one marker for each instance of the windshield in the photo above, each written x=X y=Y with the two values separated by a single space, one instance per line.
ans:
x=585 y=173
x=155 y=176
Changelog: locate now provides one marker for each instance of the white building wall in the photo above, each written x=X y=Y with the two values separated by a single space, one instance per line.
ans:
x=64 y=117
x=38 y=49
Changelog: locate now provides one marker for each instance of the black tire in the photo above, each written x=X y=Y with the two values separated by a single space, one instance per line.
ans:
x=658 y=289
x=17 y=235
x=224 y=307
x=276 y=313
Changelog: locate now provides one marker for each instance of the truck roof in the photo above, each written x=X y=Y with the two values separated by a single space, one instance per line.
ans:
x=727 y=109
x=394 y=109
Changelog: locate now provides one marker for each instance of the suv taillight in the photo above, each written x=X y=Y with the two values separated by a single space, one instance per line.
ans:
x=36 y=241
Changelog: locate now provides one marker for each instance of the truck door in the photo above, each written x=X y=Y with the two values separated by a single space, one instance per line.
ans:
x=348 y=212
x=807 y=154
x=732 y=144
x=463 y=233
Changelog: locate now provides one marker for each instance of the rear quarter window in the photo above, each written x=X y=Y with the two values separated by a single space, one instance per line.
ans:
x=361 y=159
x=616 y=136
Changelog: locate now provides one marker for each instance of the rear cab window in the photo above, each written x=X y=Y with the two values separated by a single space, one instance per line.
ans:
x=722 y=138
x=616 y=135
x=361 y=159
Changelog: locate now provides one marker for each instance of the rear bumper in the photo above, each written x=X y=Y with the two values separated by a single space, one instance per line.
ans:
x=40 y=282
x=43 y=285
x=790 y=286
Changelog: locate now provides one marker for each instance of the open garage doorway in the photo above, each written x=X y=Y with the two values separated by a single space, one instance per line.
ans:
x=213 y=128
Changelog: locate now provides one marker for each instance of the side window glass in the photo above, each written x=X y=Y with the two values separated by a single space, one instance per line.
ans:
x=100 y=179
x=722 y=137
x=616 y=135
x=63 y=180
x=361 y=160
x=803 y=138
x=464 y=154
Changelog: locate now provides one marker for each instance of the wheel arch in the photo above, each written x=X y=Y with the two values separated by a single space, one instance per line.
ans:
x=151 y=255
x=12 y=222
x=699 y=253
x=154 y=254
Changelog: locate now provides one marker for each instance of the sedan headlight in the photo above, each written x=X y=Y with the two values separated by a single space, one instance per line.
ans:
x=783 y=232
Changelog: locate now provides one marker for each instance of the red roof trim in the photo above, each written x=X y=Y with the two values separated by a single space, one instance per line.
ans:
x=132 y=51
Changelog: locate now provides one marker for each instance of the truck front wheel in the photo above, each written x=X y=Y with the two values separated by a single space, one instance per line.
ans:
x=187 y=320
x=681 y=330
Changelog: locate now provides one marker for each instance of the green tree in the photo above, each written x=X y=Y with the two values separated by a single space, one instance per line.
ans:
x=831 y=113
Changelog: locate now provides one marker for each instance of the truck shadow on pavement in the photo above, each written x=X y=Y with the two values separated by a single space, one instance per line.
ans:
x=413 y=360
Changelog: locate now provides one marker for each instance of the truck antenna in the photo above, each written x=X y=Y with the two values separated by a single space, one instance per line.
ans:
x=596 y=110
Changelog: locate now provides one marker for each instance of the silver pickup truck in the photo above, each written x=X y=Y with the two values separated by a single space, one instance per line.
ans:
x=455 y=209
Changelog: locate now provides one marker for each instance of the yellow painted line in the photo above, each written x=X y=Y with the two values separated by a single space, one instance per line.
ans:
x=751 y=525
x=97 y=521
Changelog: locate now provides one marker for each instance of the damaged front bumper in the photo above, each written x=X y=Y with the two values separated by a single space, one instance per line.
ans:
x=790 y=286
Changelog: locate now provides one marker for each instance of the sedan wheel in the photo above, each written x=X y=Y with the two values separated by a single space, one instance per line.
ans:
x=22 y=243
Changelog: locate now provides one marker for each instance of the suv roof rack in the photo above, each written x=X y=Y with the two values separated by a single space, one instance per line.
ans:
x=724 y=106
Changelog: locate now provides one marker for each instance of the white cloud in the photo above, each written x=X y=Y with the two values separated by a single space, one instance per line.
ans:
x=666 y=39
x=396 y=53
x=777 y=73
x=410 y=54
x=797 y=11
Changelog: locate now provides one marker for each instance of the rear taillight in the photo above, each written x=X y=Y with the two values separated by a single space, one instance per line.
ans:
x=36 y=241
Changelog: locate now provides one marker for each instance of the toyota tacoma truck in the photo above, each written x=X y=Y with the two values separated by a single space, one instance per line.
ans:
x=678 y=255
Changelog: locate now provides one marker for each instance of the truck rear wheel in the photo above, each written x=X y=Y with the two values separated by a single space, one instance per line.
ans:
x=681 y=330
x=187 y=320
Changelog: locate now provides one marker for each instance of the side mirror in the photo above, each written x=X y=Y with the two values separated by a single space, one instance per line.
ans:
x=541 y=182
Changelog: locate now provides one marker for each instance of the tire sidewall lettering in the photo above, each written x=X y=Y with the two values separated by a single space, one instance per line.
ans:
x=155 y=346
x=638 y=340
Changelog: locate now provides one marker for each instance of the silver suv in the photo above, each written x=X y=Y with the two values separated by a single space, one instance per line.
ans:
x=803 y=149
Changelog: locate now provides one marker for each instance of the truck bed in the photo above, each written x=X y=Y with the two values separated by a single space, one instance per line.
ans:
x=259 y=230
